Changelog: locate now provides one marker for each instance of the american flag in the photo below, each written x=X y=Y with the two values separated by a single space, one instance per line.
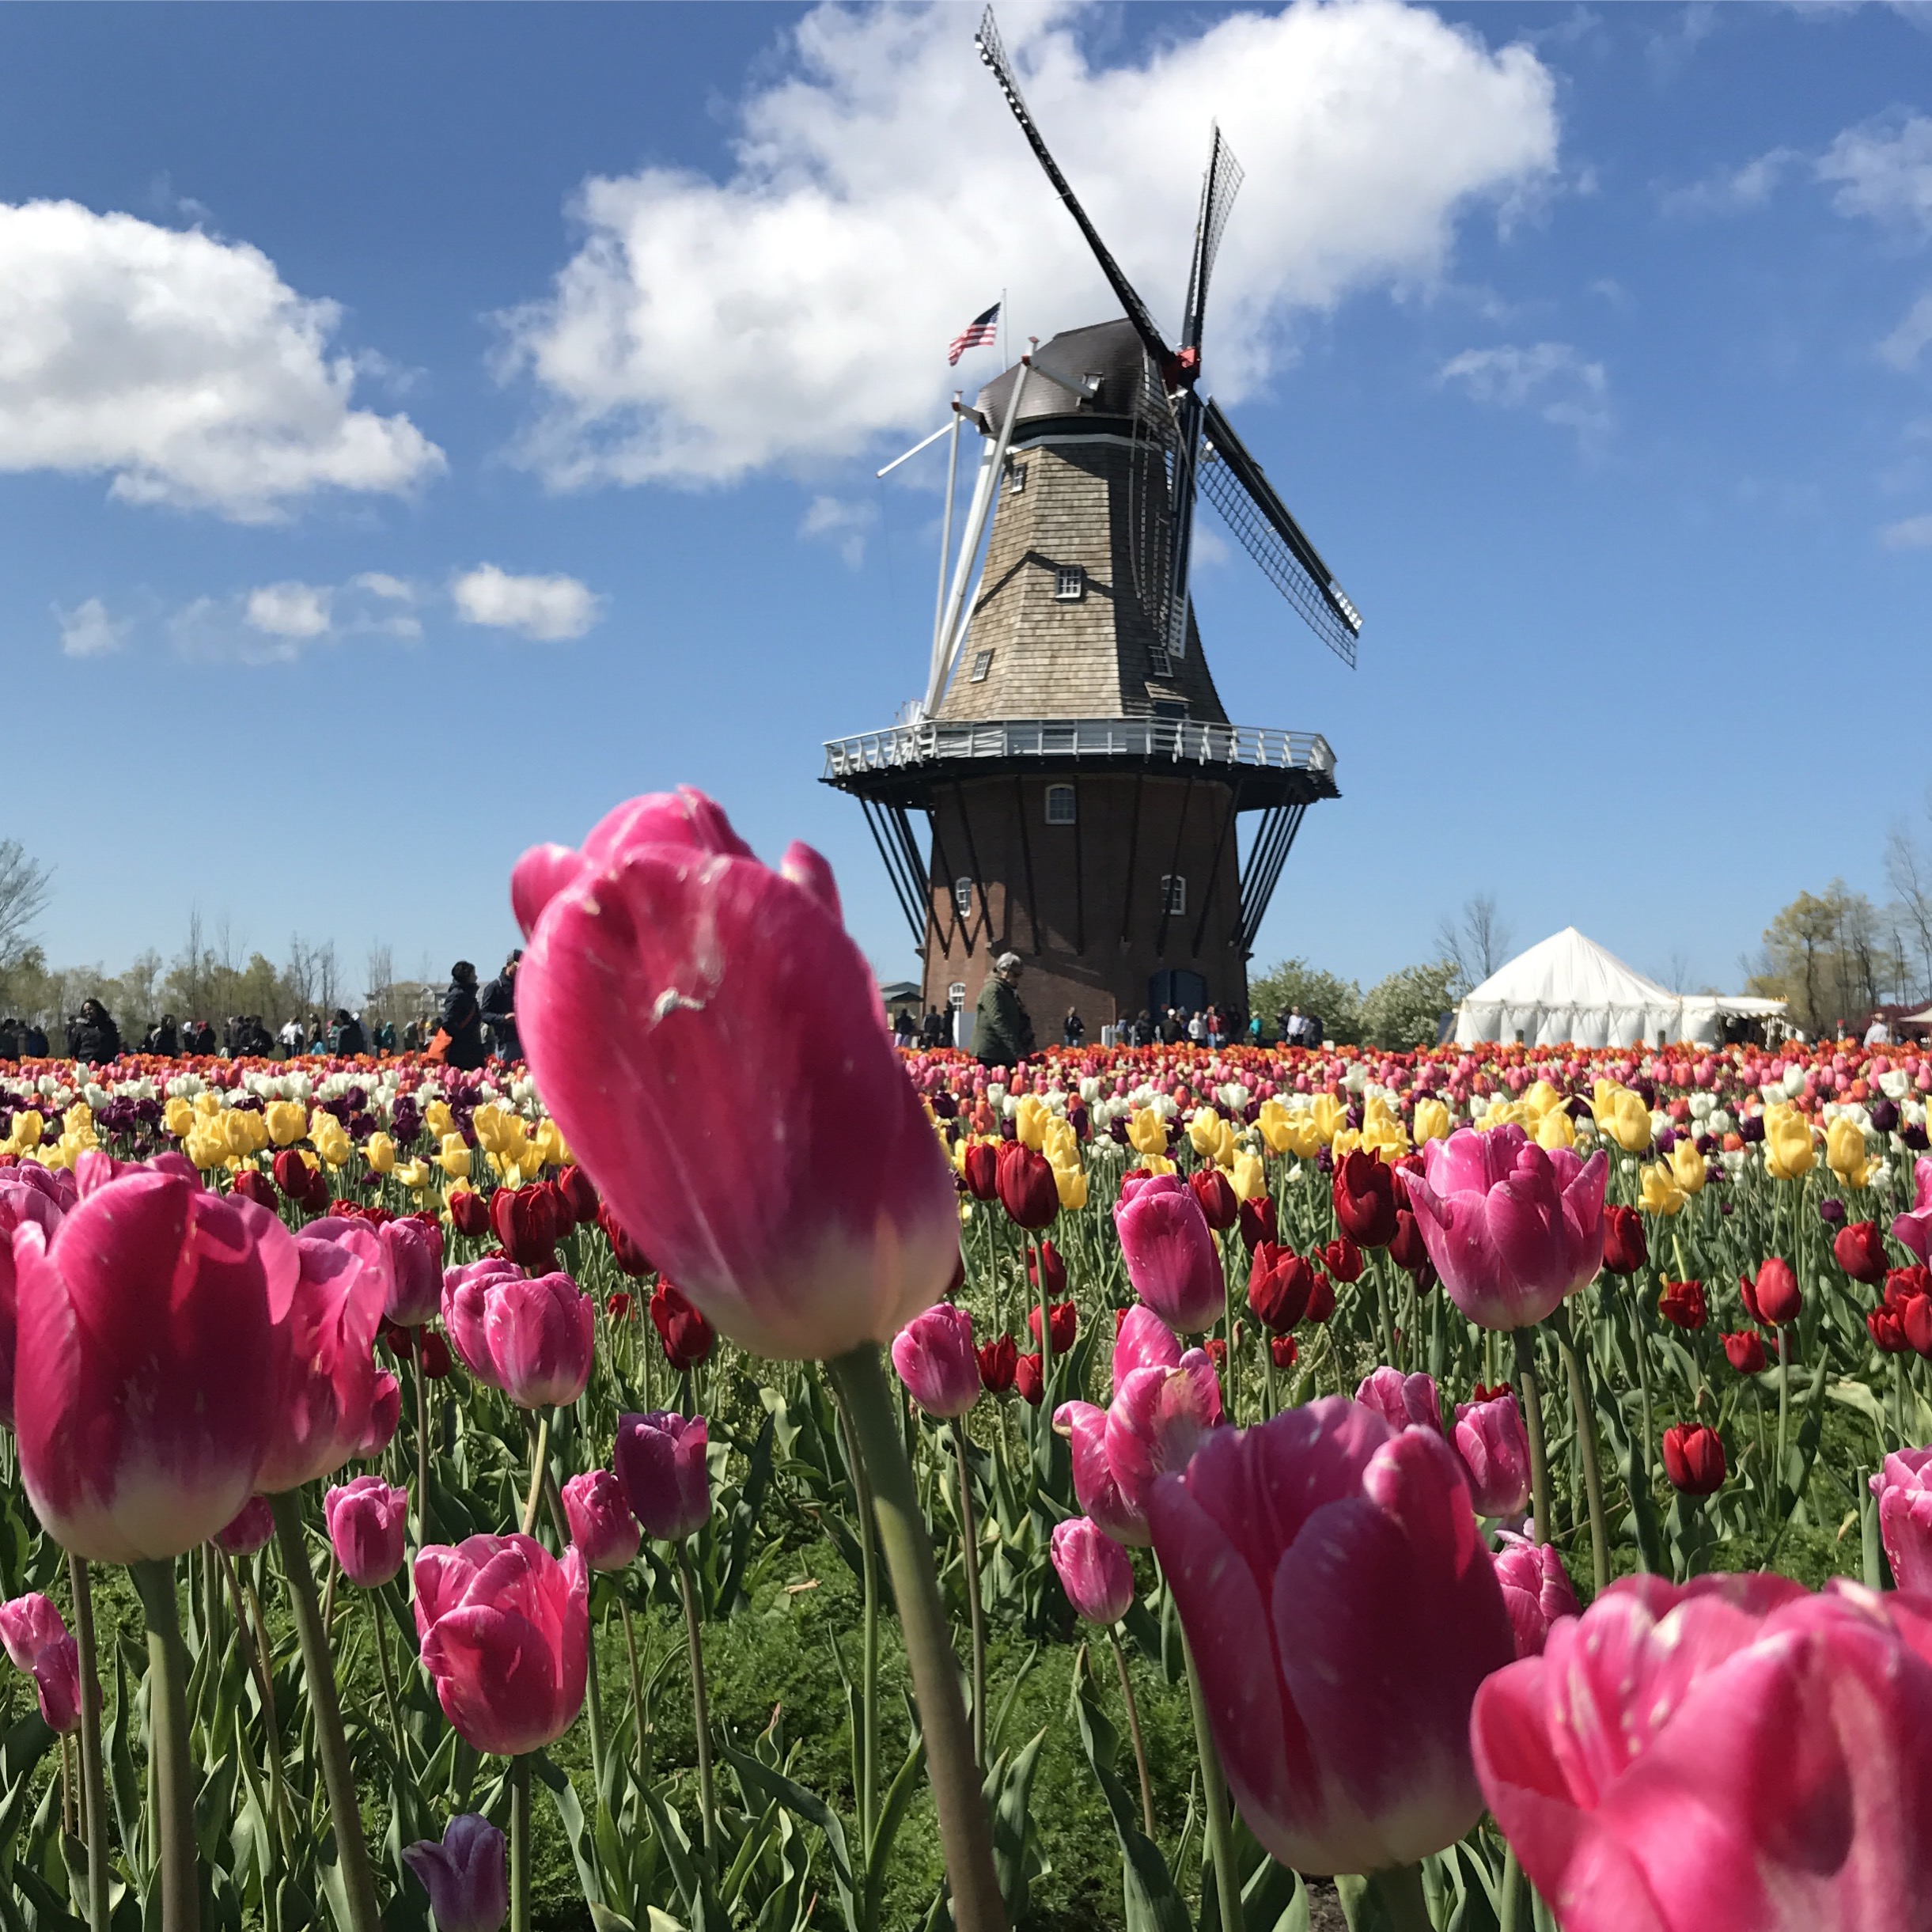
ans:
x=978 y=332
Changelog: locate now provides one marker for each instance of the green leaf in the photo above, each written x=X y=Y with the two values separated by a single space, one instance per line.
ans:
x=814 y=1811
x=898 y=1795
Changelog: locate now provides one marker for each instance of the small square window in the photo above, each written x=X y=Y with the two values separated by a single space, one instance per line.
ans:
x=981 y=663
x=1070 y=583
x=1159 y=664
x=1174 y=893
x=962 y=897
x=1060 y=808
x=1016 y=477
x=1171 y=710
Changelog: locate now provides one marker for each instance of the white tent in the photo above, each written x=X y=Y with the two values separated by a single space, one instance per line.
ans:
x=1567 y=990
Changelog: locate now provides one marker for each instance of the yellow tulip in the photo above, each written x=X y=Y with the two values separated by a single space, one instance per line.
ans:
x=378 y=1150
x=1249 y=1179
x=499 y=1130
x=453 y=1158
x=208 y=1102
x=1275 y=1126
x=1555 y=1129
x=1330 y=1116
x=1346 y=1140
x=436 y=1117
x=1072 y=1183
x=1157 y=1164
x=1661 y=1194
x=286 y=1122
x=1789 y=1154
x=415 y=1175
x=206 y=1146
x=1434 y=1121
x=1844 y=1151
x=1147 y=1132
x=28 y=1128
x=1622 y=1114
x=1541 y=1099
x=177 y=1117
x=1303 y=1141
x=1029 y=1121
x=336 y=1148
x=1687 y=1167
x=1060 y=1144
x=1204 y=1131
x=1382 y=1131
x=549 y=1143
x=236 y=1130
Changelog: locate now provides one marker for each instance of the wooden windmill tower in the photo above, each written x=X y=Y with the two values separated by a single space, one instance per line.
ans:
x=1080 y=783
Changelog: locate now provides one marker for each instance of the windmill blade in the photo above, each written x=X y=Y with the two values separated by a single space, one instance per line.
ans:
x=994 y=54
x=1237 y=486
x=1219 y=186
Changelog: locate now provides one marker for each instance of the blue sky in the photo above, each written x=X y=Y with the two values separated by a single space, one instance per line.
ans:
x=422 y=427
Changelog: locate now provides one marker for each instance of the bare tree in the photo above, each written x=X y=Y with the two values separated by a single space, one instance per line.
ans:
x=25 y=888
x=1908 y=872
x=378 y=981
x=1677 y=971
x=1476 y=944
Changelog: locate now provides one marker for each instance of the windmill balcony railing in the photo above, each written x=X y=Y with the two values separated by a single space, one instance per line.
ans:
x=1182 y=741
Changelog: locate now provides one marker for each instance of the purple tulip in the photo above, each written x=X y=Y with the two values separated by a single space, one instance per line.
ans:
x=661 y=1463
x=1495 y=1449
x=467 y=1876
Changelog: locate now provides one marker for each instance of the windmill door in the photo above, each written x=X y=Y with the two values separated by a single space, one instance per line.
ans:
x=1186 y=992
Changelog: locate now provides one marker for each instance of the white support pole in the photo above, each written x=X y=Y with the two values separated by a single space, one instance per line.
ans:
x=945 y=540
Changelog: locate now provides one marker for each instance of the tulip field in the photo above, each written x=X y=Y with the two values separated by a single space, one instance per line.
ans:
x=729 y=1472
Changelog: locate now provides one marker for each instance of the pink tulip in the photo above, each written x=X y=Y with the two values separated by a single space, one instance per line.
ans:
x=415 y=1258
x=1536 y=1590
x=1094 y=1570
x=1143 y=1340
x=1494 y=1448
x=368 y=1524
x=1158 y=1417
x=532 y=1339
x=660 y=1462
x=467 y=1875
x=505 y=1637
x=466 y=1303
x=27 y=1625
x=37 y=1642
x=1401 y=1401
x=1730 y=1754
x=253 y=1524
x=1913 y=1228
x=385 y=1411
x=1171 y=1257
x=1084 y=1427
x=666 y=967
x=601 y=1523
x=328 y=1338
x=148 y=1374
x=1903 y=1488
x=1512 y=1228
x=936 y=1360
x=1341 y=1610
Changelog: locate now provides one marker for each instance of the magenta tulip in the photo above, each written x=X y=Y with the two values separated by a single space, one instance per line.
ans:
x=1730 y=1754
x=254 y=1523
x=415 y=1258
x=328 y=1340
x=1158 y=1417
x=1342 y=1611
x=1536 y=1590
x=505 y=1637
x=1401 y=1401
x=533 y=1339
x=1913 y=1228
x=1084 y=1427
x=1512 y=1228
x=1142 y=1340
x=660 y=1462
x=1171 y=1257
x=148 y=1374
x=466 y=1875
x=937 y=1361
x=1494 y=1448
x=37 y=1642
x=466 y=1306
x=1903 y=1488
x=368 y=1524
x=667 y=968
x=385 y=1411
x=601 y=1523
x=1095 y=1572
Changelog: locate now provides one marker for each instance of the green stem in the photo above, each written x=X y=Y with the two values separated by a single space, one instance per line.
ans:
x=377 y=1614
x=168 y=1746
x=1586 y=1417
x=700 y=1714
x=539 y=1461
x=637 y=1692
x=593 y=1692
x=1531 y=1397
x=1784 y=1410
x=93 y=1780
x=868 y=1627
x=520 y=1844
x=325 y=1705
x=423 y=1445
x=969 y=1542
x=256 y=1658
x=1132 y=1718
x=1515 y=1893
x=964 y=1825
x=1214 y=1795
x=1398 y=1890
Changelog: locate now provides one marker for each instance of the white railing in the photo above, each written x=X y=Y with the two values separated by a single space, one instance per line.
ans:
x=1182 y=740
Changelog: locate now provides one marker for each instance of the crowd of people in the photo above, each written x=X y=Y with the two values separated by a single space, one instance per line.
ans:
x=474 y=1024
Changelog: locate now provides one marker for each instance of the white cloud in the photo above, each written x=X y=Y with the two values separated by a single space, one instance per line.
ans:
x=1734 y=191
x=291 y=610
x=274 y=623
x=833 y=521
x=182 y=365
x=1552 y=378
x=546 y=609
x=1884 y=171
x=1914 y=533
x=1902 y=346
x=881 y=195
x=381 y=584
x=89 y=631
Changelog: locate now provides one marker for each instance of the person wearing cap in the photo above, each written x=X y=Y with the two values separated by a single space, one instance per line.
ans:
x=1002 y=1030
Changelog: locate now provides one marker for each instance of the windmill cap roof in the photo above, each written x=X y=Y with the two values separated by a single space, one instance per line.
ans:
x=1110 y=351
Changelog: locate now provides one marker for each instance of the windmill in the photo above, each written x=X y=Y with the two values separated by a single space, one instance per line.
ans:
x=1080 y=782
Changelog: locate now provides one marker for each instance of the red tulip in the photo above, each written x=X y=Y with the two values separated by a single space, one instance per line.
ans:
x=1405 y=1245
x=524 y=1220
x=1043 y=1256
x=1095 y=1572
x=631 y=1259
x=1683 y=1304
x=1028 y=1190
x=1279 y=1284
x=1282 y=1348
x=687 y=1337
x=936 y=1360
x=578 y=1193
x=618 y=1304
x=1029 y=1379
x=1625 y=1247
x=1744 y=1351
x=1171 y=1257
x=1887 y=1330
x=1342 y=1260
x=981 y=1170
x=664 y=959
x=1536 y=1590
x=1220 y=1204
x=253 y=1185
x=1065 y=1325
x=292 y=1176
x=660 y=1462
x=505 y=1638
x=1258 y=1222
x=1364 y=1192
x=1730 y=1754
x=1773 y=1299
x=367 y=1523
x=998 y=1363
x=1694 y=1458
x=602 y=1523
x=1342 y=1611
x=433 y=1353
x=149 y=1364
x=469 y=1212
x=1859 y=1249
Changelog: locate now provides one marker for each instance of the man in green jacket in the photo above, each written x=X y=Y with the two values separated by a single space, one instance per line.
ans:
x=1003 y=1032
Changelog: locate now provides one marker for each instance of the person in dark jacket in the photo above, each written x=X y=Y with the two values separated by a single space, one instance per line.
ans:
x=163 y=1038
x=1003 y=1029
x=32 y=1040
x=462 y=1018
x=91 y=1035
x=498 y=1005
x=346 y=1035
x=10 y=1040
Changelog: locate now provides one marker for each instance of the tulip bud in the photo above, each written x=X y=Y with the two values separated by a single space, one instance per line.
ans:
x=631 y=1259
x=1042 y=1257
x=253 y=1185
x=999 y=1362
x=1170 y=1253
x=1029 y=1379
x=1282 y=1348
x=467 y=1210
x=367 y=1523
x=37 y=1642
x=1745 y=1352
x=1694 y=1458
x=1258 y=1223
x=934 y=1356
x=467 y=1875
x=980 y=1168
x=579 y=1195
x=415 y=1253
x=1364 y=1194
x=1027 y=1190
x=1066 y=1319
x=1219 y=1204
x=1094 y=1570
x=687 y=1336
x=660 y=1462
x=601 y=1523
x=1401 y=1401
x=1626 y=1248
x=1320 y=1299
x=1405 y=1245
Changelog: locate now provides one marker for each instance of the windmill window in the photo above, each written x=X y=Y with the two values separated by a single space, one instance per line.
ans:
x=1171 y=710
x=1159 y=664
x=956 y=995
x=962 y=897
x=1016 y=478
x=1060 y=806
x=1070 y=583
x=981 y=663
x=1174 y=893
